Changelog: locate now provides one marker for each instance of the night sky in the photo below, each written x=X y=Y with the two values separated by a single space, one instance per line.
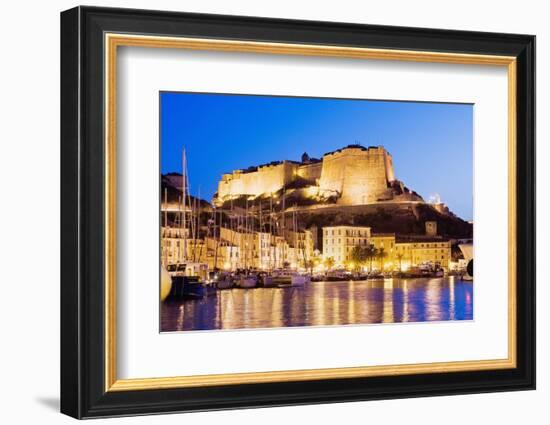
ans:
x=431 y=143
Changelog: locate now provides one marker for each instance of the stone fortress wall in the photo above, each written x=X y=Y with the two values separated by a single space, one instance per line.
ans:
x=355 y=174
x=359 y=175
x=311 y=171
x=266 y=179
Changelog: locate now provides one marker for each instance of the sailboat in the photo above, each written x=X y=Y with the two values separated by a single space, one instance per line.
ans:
x=286 y=276
x=165 y=278
x=189 y=278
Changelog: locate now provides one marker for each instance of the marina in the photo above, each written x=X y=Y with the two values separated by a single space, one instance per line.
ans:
x=391 y=300
x=294 y=239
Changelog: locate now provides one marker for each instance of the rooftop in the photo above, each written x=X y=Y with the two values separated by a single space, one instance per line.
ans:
x=419 y=238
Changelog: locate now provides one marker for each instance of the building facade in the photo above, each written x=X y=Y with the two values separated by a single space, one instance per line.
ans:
x=399 y=252
x=415 y=252
x=339 y=241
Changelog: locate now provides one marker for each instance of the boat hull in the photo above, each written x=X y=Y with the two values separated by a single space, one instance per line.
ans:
x=298 y=280
x=268 y=282
x=225 y=284
x=165 y=284
x=184 y=287
x=246 y=282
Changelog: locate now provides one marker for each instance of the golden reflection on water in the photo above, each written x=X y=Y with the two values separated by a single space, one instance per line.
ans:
x=323 y=304
x=405 y=303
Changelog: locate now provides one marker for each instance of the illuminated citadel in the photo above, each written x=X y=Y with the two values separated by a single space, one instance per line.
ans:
x=353 y=175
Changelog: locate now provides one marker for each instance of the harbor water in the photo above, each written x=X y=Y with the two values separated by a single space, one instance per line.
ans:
x=324 y=304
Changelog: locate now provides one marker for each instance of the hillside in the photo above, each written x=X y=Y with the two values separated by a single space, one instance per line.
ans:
x=171 y=191
x=402 y=218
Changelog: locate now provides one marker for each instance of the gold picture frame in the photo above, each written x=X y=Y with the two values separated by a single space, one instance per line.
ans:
x=114 y=41
x=91 y=39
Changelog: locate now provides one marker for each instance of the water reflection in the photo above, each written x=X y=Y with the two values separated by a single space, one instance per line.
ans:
x=325 y=303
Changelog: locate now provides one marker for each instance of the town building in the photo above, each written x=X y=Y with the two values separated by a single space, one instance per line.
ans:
x=399 y=252
x=411 y=251
x=338 y=242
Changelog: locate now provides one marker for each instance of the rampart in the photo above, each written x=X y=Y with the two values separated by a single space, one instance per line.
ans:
x=355 y=174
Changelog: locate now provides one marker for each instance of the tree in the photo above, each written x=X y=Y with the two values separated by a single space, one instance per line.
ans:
x=370 y=255
x=329 y=262
x=315 y=261
x=381 y=254
x=358 y=256
x=399 y=257
x=311 y=263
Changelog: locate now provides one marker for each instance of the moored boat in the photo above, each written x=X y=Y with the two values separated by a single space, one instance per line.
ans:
x=190 y=287
x=338 y=276
x=287 y=277
x=246 y=281
x=165 y=283
x=189 y=280
x=225 y=283
x=267 y=281
x=299 y=280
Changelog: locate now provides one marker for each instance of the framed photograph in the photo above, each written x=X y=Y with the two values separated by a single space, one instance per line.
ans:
x=261 y=212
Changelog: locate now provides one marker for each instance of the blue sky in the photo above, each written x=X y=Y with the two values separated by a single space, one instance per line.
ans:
x=431 y=143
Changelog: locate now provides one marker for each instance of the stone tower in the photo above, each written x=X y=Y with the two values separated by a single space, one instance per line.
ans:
x=359 y=175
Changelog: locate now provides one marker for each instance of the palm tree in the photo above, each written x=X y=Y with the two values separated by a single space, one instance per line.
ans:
x=370 y=255
x=329 y=262
x=399 y=257
x=358 y=256
x=381 y=254
x=314 y=261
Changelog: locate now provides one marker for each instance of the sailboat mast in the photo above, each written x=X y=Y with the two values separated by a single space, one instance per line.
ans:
x=216 y=238
x=165 y=232
x=178 y=221
x=260 y=239
x=284 y=227
x=246 y=235
x=184 y=190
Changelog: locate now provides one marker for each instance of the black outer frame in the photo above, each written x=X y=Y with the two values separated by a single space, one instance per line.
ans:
x=82 y=212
